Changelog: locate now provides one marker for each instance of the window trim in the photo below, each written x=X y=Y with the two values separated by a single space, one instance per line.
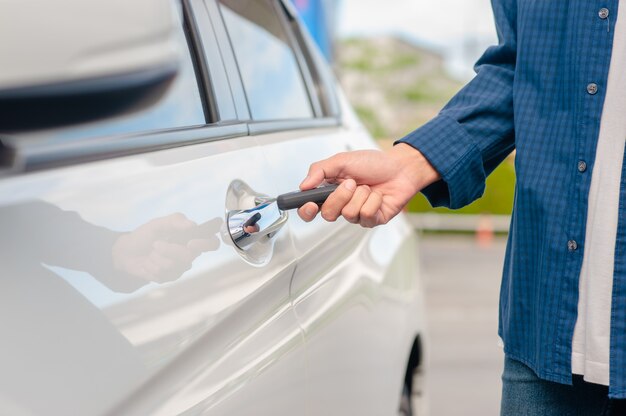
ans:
x=219 y=84
x=200 y=63
x=28 y=154
x=278 y=126
x=305 y=73
x=232 y=65
x=323 y=86
x=227 y=58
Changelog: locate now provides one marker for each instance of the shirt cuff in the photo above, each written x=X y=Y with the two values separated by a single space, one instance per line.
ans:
x=453 y=153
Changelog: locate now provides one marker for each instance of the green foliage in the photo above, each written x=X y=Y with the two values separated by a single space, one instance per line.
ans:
x=402 y=61
x=498 y=197
x=362 y=65
x=429 y=91
x=371 y=122
x=421 y=92
x=369 y=61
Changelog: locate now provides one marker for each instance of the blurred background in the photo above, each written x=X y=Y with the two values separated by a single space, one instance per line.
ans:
x=399 y=62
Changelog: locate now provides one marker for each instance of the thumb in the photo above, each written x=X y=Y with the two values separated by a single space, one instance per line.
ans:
x=163 y=226
x=327 y=169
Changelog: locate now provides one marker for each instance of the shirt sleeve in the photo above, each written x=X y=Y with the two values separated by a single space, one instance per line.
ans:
x=474 y=132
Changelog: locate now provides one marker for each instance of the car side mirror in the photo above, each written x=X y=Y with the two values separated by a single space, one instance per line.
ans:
x=79 y=60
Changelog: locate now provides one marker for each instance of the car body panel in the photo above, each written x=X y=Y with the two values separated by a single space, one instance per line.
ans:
x=355 y=290
x=69 y=315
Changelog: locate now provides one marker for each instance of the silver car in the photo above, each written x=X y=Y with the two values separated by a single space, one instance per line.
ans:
x=123 y=290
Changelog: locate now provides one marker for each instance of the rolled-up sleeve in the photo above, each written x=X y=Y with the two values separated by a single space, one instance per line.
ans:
x=475 y=131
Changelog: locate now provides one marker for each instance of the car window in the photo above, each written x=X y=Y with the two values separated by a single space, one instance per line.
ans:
x=267 y=63
x=180 y=106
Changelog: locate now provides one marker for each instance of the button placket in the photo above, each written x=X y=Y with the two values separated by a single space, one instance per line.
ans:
x=603 y=14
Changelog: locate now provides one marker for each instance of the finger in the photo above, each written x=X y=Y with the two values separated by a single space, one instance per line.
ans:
x=176 y=252
x=167 y=269
x=188 y=231
x=180 y=221
x=325 y=169
x=167 y=225
x=331 y=209
x=352 y=210
x=203 y=245
x=160 y=261
x=252 y=229
x=150 y=269
x=369 y=210
x=212 y=226
x=308 y=211
x=138 y=268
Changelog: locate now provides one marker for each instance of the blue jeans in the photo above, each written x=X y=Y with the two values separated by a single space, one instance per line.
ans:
x=525 y=394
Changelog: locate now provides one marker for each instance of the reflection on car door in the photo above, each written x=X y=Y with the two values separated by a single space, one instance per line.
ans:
x=72 y=309
x=106 y=309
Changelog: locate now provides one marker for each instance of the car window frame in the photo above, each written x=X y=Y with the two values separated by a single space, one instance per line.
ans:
x=292 y=25
x=32 y=152
x=226 y=112
x=323 y=80
x=305 y=71
x=233 y=66
x=331 y=120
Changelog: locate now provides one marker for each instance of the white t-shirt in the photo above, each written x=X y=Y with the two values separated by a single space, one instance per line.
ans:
x=591 y=341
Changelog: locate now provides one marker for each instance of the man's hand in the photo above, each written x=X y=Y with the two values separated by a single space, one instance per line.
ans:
x=375 y=185
x=164 y=248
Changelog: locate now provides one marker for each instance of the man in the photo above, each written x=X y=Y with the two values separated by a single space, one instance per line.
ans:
x=554 y=89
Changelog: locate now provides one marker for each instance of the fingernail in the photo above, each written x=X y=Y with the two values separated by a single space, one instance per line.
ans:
x=304 y=180
x=350 y=185
x=308 y=212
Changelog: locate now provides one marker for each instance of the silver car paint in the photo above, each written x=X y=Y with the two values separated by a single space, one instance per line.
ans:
x=325 y=327
x=224 y=337
x=355 y=291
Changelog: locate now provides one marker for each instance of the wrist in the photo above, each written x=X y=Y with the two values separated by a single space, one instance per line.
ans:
x=415 y=166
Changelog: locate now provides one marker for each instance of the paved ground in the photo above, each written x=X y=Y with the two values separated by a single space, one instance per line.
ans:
x=462 y=281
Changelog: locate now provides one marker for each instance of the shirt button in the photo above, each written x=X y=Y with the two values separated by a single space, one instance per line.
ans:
x=592 y=88
x=603 y=13
x=582 y=166
x=572 y=245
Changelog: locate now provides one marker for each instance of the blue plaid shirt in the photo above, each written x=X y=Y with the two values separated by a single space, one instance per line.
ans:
x=539 y=91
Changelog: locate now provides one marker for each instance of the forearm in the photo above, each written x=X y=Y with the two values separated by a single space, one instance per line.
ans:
x=475 y=130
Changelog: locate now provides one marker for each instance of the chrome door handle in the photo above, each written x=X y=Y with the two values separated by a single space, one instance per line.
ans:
x=253 y=225
x=259 y=224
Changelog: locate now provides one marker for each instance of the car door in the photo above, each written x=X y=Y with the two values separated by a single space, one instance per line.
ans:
x=121 y=290
x=355 y=291
x=355 y=294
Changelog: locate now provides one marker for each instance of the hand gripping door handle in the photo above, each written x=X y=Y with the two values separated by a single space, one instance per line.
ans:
x=257 y=224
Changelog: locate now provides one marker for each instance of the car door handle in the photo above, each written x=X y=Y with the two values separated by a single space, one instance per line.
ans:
x=250 y=226
x=256 y=224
